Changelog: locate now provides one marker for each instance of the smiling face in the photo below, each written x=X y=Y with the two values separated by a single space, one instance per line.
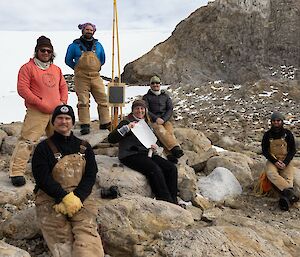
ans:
x=44 y=54
x=276 y=123
x=155 y=86
x=139 y=112
x=88 y=32
x=63 y=124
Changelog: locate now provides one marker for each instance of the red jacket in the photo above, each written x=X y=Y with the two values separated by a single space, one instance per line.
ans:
x=42 y=89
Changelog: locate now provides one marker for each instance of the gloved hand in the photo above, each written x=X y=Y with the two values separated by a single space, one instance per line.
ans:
x=72 y=203
x=60 y=208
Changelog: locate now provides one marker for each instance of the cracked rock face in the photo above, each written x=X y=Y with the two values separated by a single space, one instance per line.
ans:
x=233 y=41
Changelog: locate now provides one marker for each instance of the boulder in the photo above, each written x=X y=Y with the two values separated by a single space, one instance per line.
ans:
x=112 y=172
x=237 y=163
x=11 y=194
x=219 y=184
x=7 y=250
x=94 y=137
x=22 y=225
x=126 y=222
x=8 y=145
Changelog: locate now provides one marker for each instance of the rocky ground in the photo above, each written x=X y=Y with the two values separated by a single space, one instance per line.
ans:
x=233 y=117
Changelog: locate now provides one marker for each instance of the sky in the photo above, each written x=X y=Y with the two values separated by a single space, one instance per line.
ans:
x=65 y=15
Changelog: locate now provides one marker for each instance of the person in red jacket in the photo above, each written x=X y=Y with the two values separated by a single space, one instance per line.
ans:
x=43 y=87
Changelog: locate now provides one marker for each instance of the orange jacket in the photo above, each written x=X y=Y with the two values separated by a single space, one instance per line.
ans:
x=42 y=89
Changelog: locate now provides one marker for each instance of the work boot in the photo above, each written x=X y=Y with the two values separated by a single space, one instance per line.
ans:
x=177 y=152
x=84 y=129
x=105 y=126
x=290 y=194
x=18 y=181
x=284 y=203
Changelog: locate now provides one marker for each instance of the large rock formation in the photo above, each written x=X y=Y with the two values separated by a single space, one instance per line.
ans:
x=231 y=40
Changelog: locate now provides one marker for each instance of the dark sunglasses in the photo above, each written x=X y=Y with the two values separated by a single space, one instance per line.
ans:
x=152 y=83
x=43 y=50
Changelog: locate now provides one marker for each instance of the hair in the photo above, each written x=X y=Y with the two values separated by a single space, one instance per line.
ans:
x=53 y=55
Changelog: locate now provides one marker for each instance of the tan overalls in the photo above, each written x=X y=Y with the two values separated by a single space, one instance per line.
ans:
x=87 y=79
x=282 y=179
x=69 y=237
x=34 y=126
x=165 y=134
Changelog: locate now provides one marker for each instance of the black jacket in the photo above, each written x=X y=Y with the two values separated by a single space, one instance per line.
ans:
x=275 y=134
x=159 y=106
x=128 y=144
x=43 y=162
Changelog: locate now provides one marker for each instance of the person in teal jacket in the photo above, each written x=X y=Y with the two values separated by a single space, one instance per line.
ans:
x=86 y=56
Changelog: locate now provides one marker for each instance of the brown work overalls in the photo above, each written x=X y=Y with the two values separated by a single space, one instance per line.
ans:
x=282 y=179
x=69 y=237
x=87 y=79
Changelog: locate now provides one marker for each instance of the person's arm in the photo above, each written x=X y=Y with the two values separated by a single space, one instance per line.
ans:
x=42 y=173
x=24 y=84
x=291 y=147
x=153 y=117
x=101 y=53
x=70 y=55
x=63 y=89
x=84 y=188
x=169 y=109
x=118 y=133
x=266 y=148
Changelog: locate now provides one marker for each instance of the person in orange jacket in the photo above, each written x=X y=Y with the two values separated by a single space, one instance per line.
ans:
x=43 y=87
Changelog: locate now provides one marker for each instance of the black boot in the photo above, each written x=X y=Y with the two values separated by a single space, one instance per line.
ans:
x=177 y=152
x=290 y=194
x=18 y=181
x=84 y=129
x=105 y=126
x=110 y=193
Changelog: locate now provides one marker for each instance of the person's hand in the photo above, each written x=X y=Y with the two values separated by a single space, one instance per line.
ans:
x=132 y=124
x=280 y=165
x=154 y=147
x=60 y=208
x=72 y=203
x=160 y=121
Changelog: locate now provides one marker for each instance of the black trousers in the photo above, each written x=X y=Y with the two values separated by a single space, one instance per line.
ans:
x=161 y=174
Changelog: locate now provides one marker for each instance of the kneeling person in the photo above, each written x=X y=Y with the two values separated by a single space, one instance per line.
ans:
x=64 y=168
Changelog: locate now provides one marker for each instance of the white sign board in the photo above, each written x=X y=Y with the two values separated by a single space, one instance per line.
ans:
x=144 y=134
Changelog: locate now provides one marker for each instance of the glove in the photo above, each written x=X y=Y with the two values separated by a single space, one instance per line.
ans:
x=60 y=208
x=72 y=203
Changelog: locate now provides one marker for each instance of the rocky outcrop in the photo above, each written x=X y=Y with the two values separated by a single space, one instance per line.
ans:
x=229 y=40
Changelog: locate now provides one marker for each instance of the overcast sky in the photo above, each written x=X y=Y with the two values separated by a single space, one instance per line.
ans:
x=53 y=15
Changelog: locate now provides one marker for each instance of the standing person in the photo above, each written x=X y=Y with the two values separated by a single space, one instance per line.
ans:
x=43 y=87
x=161 y=173
x=278 y=146
x=160 y=109
x=64 y=168
x=86 y=56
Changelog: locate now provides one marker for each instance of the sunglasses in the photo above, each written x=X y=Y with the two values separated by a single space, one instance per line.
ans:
x=152 y=83
x=43 y=50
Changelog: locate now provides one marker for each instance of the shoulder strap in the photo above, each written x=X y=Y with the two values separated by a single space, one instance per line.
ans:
x=54 y=149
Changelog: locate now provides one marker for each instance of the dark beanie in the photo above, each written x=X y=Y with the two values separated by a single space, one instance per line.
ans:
x=43 y=41
x=277 y=116
x=138 y=103
x=63 y=109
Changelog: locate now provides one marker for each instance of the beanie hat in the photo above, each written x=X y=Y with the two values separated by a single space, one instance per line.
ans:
x=138 y=103
x=277 y=116
x=83 y=26
x=43 y=41
x=63 y=109
x=154 y=79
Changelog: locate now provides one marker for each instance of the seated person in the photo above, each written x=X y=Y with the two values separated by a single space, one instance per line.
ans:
x=64 y=168
x=161 y=173
x=278 y=146
x=160 y=109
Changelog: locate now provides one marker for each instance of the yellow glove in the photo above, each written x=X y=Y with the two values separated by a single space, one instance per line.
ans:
x=60 y=208
x=72 y=203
